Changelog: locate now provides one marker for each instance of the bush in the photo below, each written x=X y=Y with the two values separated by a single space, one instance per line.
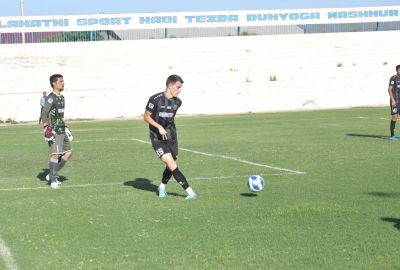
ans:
x=75 y=36
x=11 y=121
x=245 y=33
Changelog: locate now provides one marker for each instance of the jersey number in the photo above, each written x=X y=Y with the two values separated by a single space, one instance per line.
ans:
x=160 y=152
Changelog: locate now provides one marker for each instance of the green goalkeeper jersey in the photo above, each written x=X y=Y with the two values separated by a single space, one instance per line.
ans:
x=53 y=112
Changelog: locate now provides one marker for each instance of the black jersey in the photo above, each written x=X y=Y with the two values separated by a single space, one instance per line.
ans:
x=163 y=111
x=395 y=83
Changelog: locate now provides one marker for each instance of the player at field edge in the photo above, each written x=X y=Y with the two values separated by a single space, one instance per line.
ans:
x=394 y=93
x=42 y=102
x=55 y=130
x=160 y=115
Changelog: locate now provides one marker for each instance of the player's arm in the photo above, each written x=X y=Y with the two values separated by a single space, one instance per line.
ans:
x=147 y=117
x=392 y=99
x=48 y=105
x=48 y=131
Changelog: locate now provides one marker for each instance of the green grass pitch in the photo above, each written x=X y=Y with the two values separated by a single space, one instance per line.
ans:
x=343 y=212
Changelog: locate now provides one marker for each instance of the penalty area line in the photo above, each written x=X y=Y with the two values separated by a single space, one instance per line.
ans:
x=234 y=159
x=194 y=152
x=124 y=186
x=5 y=253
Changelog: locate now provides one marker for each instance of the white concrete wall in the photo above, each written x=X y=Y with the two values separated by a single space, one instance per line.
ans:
x=222 y=75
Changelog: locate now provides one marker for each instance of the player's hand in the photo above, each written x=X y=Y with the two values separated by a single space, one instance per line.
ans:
x=394 y=103
x=163 y=133
x=48 y=134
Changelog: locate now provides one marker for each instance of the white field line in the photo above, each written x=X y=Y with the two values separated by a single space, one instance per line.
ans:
x=124 y=186
x=243 y=161
x=372 y=118
x=5 y=253
x=74 y=141
x=194 y=152
x=233 y=158
x=65 y=186
x=196 y=124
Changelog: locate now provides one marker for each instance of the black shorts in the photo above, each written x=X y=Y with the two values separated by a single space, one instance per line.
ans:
x=394 y=109
x=164 y=147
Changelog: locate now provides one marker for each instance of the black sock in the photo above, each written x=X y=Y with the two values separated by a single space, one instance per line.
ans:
x=180 y=178
x=392 y=127
x=166 y=176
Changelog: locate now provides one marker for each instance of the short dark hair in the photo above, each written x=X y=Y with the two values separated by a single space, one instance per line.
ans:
x=397 y=67
x=173 y=79
x=54 y=78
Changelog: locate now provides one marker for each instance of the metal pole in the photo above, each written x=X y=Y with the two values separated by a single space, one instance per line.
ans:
x=22 y=5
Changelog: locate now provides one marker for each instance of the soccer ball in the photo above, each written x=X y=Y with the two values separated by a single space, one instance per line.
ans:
x=255 y=183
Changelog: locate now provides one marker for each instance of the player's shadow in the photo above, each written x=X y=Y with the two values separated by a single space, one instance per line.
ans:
x=248 y=194
x=368 y=136
x=42 y=176
x=146 y=185
x=385 y=194
x=396 y=222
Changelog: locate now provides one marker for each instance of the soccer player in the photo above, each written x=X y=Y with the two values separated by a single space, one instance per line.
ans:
x=42 y=102
x=394 y=93
x=160 y=114
x=55 y=130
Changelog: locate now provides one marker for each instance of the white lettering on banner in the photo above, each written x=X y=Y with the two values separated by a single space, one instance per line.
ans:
x=103 y=21
x=284 y=16
x=198 y=19
x=158 y=19
x=212 y=18
x=363 y=14
x=44 y=23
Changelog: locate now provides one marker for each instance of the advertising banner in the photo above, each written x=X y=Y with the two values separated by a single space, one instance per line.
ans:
x=198 y=19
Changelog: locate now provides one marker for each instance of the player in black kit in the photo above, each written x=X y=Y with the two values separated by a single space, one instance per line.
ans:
x=394 y=93
x=160 y=114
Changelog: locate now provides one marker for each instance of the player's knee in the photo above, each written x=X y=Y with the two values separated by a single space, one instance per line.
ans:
x=68 y=154
x=172 y=165
x=169 y=162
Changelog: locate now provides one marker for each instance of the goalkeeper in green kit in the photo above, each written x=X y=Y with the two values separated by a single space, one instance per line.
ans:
x=56 y=133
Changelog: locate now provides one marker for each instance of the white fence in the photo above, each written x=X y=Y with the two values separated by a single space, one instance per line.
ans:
x=222 y=75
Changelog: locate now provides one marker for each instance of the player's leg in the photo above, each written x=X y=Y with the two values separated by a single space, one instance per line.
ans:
x=52 y=176
x=67 y=153
x=160 y=149
x=170 y=160
x=167 y=174
x=56 y=150
x=53 y=164
x=40 y=116
x=395 y=114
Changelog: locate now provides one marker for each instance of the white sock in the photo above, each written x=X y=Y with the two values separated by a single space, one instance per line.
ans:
x=162 y=186
x=190 y=191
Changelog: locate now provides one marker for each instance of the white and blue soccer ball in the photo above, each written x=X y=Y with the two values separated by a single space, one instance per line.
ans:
x=255 y=183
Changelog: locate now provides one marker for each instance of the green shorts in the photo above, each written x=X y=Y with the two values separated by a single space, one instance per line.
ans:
x=60 y=145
